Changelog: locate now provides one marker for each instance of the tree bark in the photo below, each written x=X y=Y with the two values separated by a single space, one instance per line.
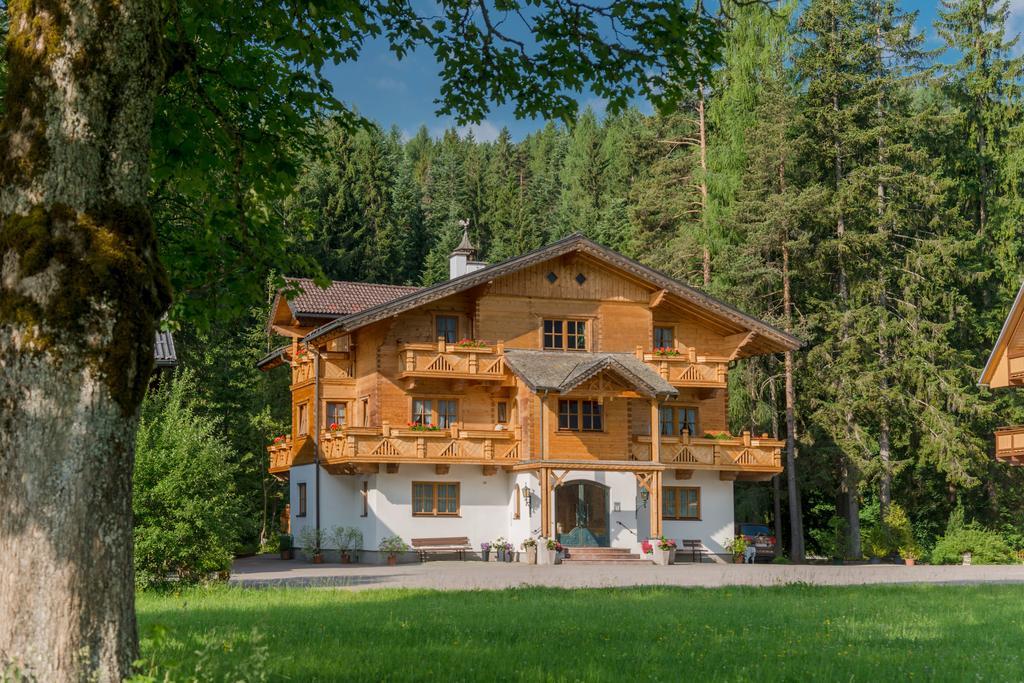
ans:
x=776 y=480
x=81 y=289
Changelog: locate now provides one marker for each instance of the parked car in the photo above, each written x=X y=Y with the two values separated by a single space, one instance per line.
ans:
x=760 y=536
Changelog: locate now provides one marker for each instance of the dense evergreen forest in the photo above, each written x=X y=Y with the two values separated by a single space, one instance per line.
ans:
x=832 y=176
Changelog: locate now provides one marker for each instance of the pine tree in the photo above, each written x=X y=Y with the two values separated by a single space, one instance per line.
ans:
x=582 y=178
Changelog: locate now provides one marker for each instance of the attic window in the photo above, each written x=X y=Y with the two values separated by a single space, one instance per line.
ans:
x=552 y=277
x=581 y=278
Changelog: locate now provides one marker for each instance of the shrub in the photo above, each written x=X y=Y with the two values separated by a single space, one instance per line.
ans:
x=986 y=547
x=889 y=538
x=831 y=541
x=187 y=513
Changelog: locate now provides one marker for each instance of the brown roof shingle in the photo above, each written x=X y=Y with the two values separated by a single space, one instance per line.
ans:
x=342 y=298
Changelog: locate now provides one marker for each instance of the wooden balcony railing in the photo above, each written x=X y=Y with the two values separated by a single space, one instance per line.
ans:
x=332 y=366
x=738 y=453
x=452 y=361
x=687 y=369
x=1010 y=444
x=280 y=456
x=393 y=445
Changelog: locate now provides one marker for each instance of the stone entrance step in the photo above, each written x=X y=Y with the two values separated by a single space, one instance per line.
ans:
x=604 y=556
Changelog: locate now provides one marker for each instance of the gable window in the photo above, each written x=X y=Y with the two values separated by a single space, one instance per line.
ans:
x=664 y=337
x=447 y=327
x=302 y=419
x=578 y=415
x=441 y=412
x=336 y=414
x=565 y=334
x=302 y=499
x=681 y=502
x=435 y=499
x=674 y=419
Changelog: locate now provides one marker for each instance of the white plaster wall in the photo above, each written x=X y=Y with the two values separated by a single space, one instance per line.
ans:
x=528 y=523
x=340 y=502
x=717 y=523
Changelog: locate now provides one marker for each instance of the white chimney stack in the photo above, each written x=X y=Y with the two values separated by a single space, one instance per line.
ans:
x=461 y=262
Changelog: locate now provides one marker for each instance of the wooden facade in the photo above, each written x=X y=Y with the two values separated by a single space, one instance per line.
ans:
x=1005 y=368
x=380 y=389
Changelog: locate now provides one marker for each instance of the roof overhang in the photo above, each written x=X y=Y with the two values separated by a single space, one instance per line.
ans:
x=1009 y=326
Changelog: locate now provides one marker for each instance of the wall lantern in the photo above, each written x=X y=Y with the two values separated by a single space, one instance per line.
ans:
x=528 y=497
x=645 y=495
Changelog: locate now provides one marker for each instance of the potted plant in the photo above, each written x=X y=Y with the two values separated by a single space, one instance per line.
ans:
x=392 y=545
x=548 y=552
x=347 y=538
x=510 y=551
x=501 y=548
x=284 y=542
x=910 y=555
x=737 y=546
x=664 y=551
x=311 y=540
x=530 y=546
x=485 y=551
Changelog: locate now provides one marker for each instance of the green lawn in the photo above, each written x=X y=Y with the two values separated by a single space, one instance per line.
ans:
x=786 y=633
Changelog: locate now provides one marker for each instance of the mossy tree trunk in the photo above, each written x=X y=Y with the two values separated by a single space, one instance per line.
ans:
x=80 y=291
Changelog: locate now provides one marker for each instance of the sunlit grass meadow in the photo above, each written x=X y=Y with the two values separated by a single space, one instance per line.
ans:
x=791 y=633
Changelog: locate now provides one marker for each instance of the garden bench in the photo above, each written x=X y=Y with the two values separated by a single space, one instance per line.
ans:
x=454 y=544
x=696 y=548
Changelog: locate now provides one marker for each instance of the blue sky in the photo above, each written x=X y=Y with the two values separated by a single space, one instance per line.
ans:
x=402 y=93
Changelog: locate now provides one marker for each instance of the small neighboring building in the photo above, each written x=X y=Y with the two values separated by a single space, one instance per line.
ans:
x=1005 y=368
x=570 y=393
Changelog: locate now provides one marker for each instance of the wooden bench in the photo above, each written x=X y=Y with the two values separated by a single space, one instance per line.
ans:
x=695 y=547
x=455 y=544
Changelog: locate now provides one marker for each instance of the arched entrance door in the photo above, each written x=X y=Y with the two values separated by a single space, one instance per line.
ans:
x=581 y=514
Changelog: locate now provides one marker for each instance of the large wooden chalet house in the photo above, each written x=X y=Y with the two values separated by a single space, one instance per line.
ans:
x=569 y=393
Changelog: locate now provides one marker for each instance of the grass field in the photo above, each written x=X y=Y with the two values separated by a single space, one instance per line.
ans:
x=536 y=634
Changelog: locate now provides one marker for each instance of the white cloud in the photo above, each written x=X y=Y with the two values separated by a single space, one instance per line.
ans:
x=485 y=131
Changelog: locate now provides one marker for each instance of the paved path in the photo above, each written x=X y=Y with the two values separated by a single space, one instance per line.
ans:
x=267 y=570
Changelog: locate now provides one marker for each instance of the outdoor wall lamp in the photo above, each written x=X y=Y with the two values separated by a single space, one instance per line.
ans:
x=645 y=495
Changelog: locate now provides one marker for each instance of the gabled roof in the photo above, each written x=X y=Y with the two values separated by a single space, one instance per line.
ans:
x=563 y=371
x=340 y=298
x=163 y=350
x=777 y=340
x=1009 y=325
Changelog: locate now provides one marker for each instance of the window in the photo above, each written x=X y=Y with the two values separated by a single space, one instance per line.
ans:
x=674 y=419
x=364 y=405
x=680 y=502
x=515 y=501
x=447 y=328
x=565 y=334
x=302 y=418
x=664 y=337
x=447 y=412
x=422 y=411
x=570 y=413
x=302 y=499
x=435 y=499
x=366 y=500
x=335 y=414
x=501 y=408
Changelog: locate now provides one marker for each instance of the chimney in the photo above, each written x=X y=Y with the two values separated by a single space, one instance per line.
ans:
x=461 y=262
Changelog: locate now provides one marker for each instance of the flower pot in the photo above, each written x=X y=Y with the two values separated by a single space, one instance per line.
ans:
x=510 y=555
x=486 y=555
x=531 y=555
x=660 y=557
x=318 y=558
x=346 y=558
x=672 y=555
x=737 y=559
x=287 y=554
x=967 y=559
x=500 y=555
x=909 y=561
x=392 y=560
x=545 y=556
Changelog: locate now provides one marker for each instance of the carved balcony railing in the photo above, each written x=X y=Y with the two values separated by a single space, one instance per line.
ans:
x=455 y=361
x=280 y=456
x=743 y=453
x=685 y=368
x=333 y=366
x=1010 y=445
x=397 y=445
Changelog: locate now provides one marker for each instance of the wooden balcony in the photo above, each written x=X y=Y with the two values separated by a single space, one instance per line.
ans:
x=280 y=456
x=753 y=457
x=1015 y=366
x=1010 y=445
x=452 y=361
x=687 y=369
x=333 y=366
x=363 y=449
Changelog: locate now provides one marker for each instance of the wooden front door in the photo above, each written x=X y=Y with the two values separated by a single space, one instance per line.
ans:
x=581 y=514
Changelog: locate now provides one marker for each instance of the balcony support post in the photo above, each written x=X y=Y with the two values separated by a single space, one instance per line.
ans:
x=655 y=431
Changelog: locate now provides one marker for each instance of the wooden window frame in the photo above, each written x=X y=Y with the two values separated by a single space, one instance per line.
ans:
x=654 y=335
x=675 y=419
x=327 y=413
x=679 y=500
x=434 y=485
x=366 y=499
x=300 y=493
x=302 y=418
x=364 y=407
x=435 y=413
x=579 y=414
x=563 y=335
x=458 y=325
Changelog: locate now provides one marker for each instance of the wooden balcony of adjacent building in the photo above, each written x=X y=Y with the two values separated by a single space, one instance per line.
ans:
x=684 y=367
x=1010 y=445
x=468 y=359
x=370 y=449
x=335 y=367
x=743 y=457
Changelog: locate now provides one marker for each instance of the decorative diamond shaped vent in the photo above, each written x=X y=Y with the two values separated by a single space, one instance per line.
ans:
x=552 y=277
x=581 y=278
